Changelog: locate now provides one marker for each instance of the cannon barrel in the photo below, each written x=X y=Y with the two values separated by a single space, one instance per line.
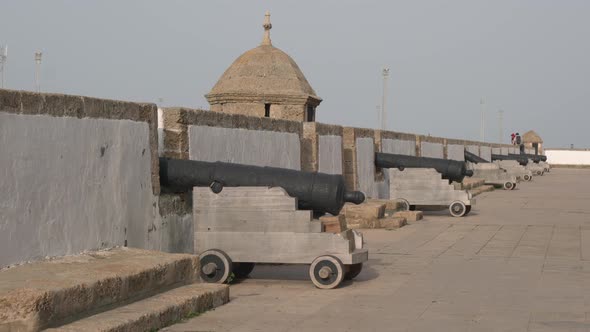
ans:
x=521 y=159
x=472 y=157
x=314 y=191
x=451 y=170
x=536 y=158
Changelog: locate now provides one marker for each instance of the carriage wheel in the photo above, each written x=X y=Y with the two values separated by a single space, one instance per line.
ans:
x=457 y=209
x=326 y=272
x=242 y=270
x=353 y=271
x=216 y=266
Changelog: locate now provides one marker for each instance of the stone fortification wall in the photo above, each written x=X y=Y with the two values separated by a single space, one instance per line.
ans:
x=214 y=136
x=397 y=143
x=322 y=148
x=485 y=151
x=78 y=173
x=432 y=147
x=81 y=173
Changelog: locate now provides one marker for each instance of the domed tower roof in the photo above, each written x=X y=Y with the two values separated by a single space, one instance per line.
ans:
x=263 y=74
x=531 y=136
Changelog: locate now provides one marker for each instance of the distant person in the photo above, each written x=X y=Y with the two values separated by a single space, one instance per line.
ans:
x=512 y=138
x=518 y=140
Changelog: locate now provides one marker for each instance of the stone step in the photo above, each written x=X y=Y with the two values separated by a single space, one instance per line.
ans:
x=392 y=222
x=481 y=189
x=391 y=206
x=155 y=312
x=472 y=183
x=367 y=209
x=410 y=215
x=53 y=292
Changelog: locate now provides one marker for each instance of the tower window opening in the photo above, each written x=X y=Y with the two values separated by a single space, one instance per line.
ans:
x=267 y=110
x=310 y=114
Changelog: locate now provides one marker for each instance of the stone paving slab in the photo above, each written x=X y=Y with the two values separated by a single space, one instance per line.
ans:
x=519 y=262
x=49 y=293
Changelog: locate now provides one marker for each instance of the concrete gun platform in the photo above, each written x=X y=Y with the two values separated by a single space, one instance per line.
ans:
x=521 y=262
x=119 y=289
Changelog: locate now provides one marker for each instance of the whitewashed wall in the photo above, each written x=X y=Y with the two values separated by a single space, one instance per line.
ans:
x=568 y=157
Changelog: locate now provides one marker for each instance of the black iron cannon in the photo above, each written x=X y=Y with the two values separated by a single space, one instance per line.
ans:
x=314 y=191
x=536 y=158
x=522 y=160
x=451 y=170
x=472 y=157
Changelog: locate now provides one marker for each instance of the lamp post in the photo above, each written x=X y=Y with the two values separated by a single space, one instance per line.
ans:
x=500 y=125
x=385 y=74
x=3 y=58
x=482 y=128
x=38 y=56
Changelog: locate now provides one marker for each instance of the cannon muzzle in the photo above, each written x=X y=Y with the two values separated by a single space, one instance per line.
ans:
x=451 y=170
x=314 y=191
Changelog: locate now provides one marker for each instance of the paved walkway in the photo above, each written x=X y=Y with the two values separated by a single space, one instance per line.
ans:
x=519 y=262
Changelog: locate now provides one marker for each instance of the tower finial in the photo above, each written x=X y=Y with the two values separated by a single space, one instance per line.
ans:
x=267 y=26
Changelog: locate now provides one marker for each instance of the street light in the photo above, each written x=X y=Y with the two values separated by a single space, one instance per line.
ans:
x=3 y=58
x=38 y=56
x=385 y=74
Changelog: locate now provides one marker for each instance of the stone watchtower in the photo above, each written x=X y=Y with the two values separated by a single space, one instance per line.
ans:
x=265 y=82
x=532 y=140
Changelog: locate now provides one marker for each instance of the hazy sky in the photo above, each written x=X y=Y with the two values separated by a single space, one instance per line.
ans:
x=529 y=58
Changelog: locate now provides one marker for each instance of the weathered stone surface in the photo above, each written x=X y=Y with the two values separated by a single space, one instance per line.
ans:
x=409 y=215
x=155 y=312
x=391 y=206
x=472 y=183
x=333 y=224
x=481 y=189
x=365 y=210
x=392 y=222
x=42 y=294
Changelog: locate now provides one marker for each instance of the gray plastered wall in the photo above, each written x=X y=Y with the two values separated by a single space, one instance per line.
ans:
x=431 y=149
x=243 y=146
x=456 y=152
x=79 y=174
x=330 y=154
x=365 y=151
x=485 y=152
x=473 y=149
x=398 y=146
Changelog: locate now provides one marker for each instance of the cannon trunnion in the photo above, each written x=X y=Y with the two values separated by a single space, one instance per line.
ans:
x=451 y=170
x=314 y=191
